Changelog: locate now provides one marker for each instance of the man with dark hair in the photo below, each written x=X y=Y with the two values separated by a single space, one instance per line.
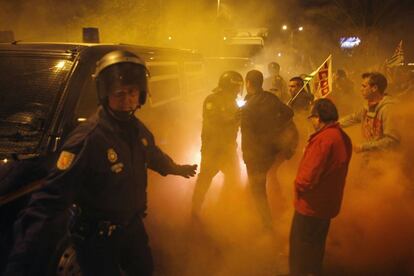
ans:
x=221 y=123
x=377 y=117
x=319 y=186
x=274 y=83
x=264 y=125
x=300 y=98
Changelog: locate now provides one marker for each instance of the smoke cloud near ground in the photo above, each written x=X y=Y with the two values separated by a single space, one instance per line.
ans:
x=371 y=236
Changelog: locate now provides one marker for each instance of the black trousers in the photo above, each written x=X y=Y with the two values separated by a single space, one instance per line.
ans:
x=257 y=174
x=126 y=249
x=211 y=164
x=307 y=244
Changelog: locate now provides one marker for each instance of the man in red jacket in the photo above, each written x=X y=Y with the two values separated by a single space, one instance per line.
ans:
x=319 y=186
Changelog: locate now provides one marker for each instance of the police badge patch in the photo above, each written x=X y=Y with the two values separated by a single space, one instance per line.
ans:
x=117 y=168
x=112 y=155
x=65 y=160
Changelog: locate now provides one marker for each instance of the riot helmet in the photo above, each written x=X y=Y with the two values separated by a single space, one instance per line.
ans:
x=119 y=68
x=230 y=80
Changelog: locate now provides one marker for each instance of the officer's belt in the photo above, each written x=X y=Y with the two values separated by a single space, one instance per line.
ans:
x=95 y=219
x=85 y=226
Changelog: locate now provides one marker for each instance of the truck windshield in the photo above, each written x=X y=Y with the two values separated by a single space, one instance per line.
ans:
x=29 y=86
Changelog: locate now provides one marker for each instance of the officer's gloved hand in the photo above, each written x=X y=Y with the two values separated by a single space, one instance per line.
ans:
x=186 y=171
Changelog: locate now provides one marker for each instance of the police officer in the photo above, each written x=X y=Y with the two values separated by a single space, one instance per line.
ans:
x=102 y=170
x=219 y=132
x=265 y=122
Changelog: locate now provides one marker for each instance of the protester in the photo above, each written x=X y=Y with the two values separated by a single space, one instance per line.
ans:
x=319 y=187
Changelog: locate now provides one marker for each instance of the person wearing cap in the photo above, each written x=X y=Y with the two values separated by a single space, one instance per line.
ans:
x=101 y=173
x=275 y=83
x=218 y=137
x=318 y=188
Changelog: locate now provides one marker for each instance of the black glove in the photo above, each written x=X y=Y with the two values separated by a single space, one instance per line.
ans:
x=186 y=171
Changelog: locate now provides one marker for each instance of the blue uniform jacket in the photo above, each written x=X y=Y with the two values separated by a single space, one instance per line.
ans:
x=102 y=168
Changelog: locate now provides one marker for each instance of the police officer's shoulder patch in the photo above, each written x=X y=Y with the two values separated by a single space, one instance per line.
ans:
x=112 y=155
x=65 y=160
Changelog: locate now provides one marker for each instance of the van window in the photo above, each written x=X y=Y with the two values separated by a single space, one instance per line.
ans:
x=88 y=101
x=164 y=83
x=29 y=87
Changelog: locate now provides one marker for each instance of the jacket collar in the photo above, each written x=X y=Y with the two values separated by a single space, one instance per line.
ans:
x=106 y=121
x=258 y=92
x=330 y=125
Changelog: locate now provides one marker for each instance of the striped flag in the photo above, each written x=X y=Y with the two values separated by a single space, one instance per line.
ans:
x=319 y=82
x=398 y=58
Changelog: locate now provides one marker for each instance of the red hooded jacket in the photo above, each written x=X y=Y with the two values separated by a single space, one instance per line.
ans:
x=320 y=180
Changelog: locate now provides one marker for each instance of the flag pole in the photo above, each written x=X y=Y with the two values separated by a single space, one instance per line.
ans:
x=306 y=83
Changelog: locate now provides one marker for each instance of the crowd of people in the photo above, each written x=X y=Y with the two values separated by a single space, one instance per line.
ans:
x=269 y=135
x=107 y=196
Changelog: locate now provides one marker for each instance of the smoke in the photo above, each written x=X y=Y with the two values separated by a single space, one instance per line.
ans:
x=374 y=231
x=373 y=234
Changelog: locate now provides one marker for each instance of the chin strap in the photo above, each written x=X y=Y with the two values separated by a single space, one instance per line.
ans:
x=122 y=116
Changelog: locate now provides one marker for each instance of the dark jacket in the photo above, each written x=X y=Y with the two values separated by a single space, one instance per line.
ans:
x=103 y=169
x=264 y=117
x=320 y=180
x=220 y=123
x=302 y=102
x=108 y=173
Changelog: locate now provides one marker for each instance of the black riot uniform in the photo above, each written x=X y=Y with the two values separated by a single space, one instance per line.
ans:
x=102 y=171
x=264 y=120
x=221 y=121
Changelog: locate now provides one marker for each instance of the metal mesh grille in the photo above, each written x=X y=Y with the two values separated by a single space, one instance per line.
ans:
x=28 y=89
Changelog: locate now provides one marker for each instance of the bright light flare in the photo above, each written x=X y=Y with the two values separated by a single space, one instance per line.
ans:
x=60 y=65
x=240 y=102
x=300 y=29
x=279 y=54
x=284 y=27
x=170 y=38
x=5 y=160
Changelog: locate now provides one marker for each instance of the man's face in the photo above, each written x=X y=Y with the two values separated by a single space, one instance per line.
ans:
x=124 y=98
x=316 y=123
x=293 y=87
x=368 y=91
